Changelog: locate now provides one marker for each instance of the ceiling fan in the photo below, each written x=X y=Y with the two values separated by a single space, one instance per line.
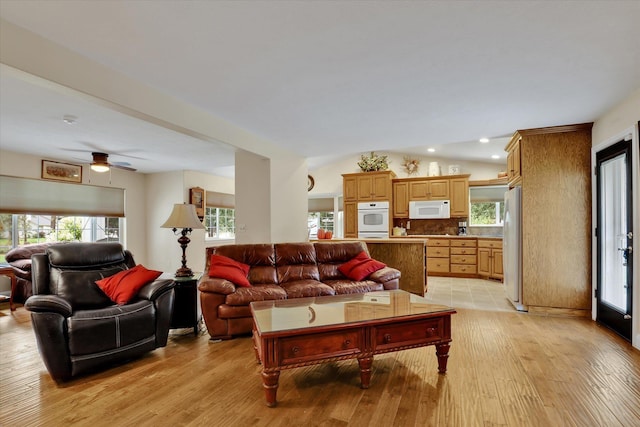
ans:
x=100 y=163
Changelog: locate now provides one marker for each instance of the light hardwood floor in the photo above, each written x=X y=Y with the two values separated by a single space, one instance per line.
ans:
x=505 y=369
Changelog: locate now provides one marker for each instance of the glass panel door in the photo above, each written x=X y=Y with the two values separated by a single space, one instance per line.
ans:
x=614 y=237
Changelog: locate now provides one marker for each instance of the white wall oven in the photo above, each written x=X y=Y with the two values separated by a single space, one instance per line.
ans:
x=373 y=220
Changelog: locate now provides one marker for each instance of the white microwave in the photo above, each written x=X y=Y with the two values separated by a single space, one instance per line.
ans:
x=429 y=209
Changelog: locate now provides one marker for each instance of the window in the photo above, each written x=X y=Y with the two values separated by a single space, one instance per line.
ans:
x=220 y=223
x=22 y=229
x=487 y=213
x=318 y=220
x=487 y=205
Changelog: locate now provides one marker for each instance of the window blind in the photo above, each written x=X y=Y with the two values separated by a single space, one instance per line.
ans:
x=35 y=196
x=220 y=200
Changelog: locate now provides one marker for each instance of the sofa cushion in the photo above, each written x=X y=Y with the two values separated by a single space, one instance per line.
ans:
x=360 y=267
x=123 y=286
x=25 y=251
x=295 y=262
x=258 y=292
x=331 y=256
x=94 y=331
x=342 y=287
x=261 y=258
x=307 y=288
x=79 y=287
x=229 y=269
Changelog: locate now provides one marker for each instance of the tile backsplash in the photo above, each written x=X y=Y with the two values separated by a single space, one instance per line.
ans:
x=430 y=226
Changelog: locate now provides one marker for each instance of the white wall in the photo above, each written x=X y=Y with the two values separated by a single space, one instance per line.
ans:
x=135 y=233
x=608 y=129
x=328 y=179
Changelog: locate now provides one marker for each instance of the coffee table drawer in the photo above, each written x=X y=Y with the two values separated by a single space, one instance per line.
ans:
x=303 y=348
x=419 y=332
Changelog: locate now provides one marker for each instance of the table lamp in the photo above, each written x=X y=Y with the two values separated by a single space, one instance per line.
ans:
x=183 y=216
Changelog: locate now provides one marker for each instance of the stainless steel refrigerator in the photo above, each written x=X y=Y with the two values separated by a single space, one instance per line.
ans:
x=512 y=247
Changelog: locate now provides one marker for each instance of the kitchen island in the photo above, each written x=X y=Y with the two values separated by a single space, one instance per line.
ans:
x=409 y=255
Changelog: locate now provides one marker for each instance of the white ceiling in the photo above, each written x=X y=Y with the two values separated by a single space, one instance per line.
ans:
x=327 y=79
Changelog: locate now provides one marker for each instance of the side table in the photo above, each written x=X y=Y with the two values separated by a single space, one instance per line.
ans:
x=186 y=310
x=6 y=270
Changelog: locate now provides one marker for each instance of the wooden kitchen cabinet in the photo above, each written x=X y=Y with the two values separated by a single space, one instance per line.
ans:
x=350 y=219
x=459 y=188
x=454 y=188
x=350 y=188
x=490 y=258
x=364 y=187
x=437 y=256
x=400 y=199
x=463 y=258
x=426 y=189
x=554 y=172
x=514 y=173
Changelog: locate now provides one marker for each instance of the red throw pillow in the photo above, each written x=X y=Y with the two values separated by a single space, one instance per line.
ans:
x=229 y=269
x=360 y=267
x=123 y=286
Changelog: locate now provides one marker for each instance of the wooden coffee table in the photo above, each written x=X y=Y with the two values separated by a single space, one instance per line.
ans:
x=307 y=331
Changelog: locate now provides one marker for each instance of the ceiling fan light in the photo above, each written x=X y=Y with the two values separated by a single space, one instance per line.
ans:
x=99 y=167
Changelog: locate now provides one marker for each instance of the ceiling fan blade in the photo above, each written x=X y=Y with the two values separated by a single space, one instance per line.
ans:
x=127 y=168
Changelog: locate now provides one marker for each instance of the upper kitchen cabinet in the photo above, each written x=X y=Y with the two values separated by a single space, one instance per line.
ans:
x=514 y=173
x=459 y=188
x=367 y=186
x=428 y=189
x=400 y=199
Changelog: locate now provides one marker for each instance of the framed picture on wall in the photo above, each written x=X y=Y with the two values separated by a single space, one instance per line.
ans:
x=197 y=198
x=61 y=171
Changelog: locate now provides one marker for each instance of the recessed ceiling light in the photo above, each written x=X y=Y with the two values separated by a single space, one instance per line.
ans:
x=495 y=156
x=431 y=150
x=484 y=140
x=69 y=119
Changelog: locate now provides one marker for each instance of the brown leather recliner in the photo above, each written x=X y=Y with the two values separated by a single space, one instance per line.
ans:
x=78 y=328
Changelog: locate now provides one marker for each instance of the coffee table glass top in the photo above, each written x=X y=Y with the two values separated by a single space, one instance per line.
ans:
x=300 y=313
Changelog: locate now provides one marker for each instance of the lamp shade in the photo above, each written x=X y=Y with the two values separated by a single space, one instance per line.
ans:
x=183 y=216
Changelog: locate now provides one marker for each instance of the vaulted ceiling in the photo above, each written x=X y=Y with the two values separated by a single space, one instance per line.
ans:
x=327 y=79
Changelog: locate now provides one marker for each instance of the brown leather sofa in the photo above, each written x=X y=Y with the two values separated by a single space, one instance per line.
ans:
x=281 y=271
x=77 y=326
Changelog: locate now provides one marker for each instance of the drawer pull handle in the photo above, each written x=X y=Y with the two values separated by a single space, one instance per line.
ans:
x=431 y=332
x=346 y=344
x=295 y=349
x=387 y=338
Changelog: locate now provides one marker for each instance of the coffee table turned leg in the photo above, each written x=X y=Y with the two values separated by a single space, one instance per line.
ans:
x=365 y=371
x=442 y=351
x=270 y=384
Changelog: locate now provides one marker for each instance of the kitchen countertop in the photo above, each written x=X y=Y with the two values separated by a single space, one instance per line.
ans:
x=448 y=236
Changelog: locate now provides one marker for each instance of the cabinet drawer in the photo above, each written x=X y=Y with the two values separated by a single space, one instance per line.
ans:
x=438 y=265
x=419 y=332
x=315 y=346
x=463 y=243
x=438 y=242
x=490 y=244
x=463 y=259
x=463 y=251
x=463 y=268
x=437 y=252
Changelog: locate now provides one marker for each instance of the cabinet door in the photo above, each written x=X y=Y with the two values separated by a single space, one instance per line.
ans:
x=497 y=264
x=351 y=219
x=365 y=188
x=350 y=189
x=459 y=197
x=439 y=189
x=419 y=190
x=484 y=262
x=381 y=187
x=401 y=200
